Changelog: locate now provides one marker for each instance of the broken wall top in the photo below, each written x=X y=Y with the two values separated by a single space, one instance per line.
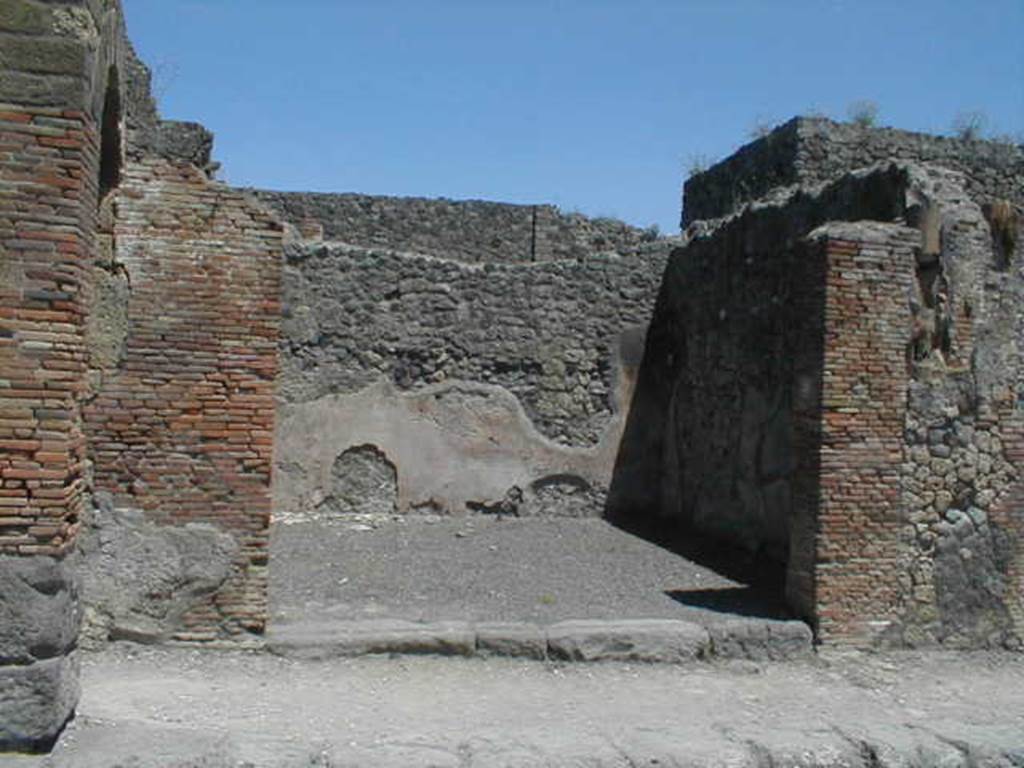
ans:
x=809 y=151
x=464 y=230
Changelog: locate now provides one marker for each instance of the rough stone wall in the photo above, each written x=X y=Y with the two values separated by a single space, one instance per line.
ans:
x=547 y=332
x=182 y=423
x=148 y=135
x=55 y=64
x=809 y=151
x=529 y=367
x=464 y=230
x=905 y=522
x=961 y=475
x=736 y=333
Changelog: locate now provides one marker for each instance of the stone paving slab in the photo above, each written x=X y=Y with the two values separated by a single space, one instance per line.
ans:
x=644 y=640
x=651 y=640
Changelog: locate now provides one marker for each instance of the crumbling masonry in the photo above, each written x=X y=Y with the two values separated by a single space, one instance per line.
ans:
x=825 y=369
x=844 y=392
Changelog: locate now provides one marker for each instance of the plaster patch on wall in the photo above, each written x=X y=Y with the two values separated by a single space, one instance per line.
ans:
x=449 y=445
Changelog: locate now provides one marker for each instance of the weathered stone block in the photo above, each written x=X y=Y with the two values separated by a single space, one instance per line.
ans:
x=649 y=640
x=42 y=90
x=52 y=56
x=761 y=639
x=26 y=18
x=357 y=638
x=511 y=639
x=139 y=579
x=36 y=700
x=39 y=610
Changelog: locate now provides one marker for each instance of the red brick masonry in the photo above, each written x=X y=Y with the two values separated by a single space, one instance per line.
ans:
x=184 y=426
x=864 y=404
x=48 y=159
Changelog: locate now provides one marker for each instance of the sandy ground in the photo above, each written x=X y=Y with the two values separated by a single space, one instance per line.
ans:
x=148 y=707
x=482 y=568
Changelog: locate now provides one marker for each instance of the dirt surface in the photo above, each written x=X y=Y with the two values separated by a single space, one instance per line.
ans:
x=484 y=568
x=188 y=707
x=147 y=707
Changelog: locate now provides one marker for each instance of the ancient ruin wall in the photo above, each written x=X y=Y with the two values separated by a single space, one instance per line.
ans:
x=182 y=424
x=904 y=515
x=56 y=63
x=738 y=363
x=809 y=151
x=548 y=332
x=530 y=365
x=464 y=230
x=869 y=271
x=962 y=477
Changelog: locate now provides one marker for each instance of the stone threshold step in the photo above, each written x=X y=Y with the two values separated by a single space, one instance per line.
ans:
x=666 y=641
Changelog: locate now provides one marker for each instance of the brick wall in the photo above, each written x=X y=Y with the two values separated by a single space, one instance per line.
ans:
x=1008 y=512
x=53 y=88
x=864 y=402
x=182 y=427
x=48 y=160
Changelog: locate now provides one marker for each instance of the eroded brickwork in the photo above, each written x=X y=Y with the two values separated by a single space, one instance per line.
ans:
x=57 y=63
x=46 y=228
x=182 y=426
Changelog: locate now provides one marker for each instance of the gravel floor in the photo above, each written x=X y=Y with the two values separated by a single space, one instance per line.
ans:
x=489 y=569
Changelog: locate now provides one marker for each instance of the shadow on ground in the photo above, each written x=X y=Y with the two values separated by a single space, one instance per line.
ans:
x=738 y=601
x=761 y=593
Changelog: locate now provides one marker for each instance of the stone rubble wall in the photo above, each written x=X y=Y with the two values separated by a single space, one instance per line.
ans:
x=810 y=151
x=900 y=440
x=464 y=230
x=962 y=475
x=530 y=366
x=148 y=135
x=546 y=332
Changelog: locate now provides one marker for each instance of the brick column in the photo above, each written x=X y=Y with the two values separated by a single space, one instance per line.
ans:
x=48 y=161
x=864 y=403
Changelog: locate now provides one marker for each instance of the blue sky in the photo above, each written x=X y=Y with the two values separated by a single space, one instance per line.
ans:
x=595 y=106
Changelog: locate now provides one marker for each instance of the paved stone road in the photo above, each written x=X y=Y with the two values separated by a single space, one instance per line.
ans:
x=162 y=707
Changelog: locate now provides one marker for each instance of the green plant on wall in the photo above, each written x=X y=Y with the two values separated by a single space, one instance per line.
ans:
x=696 y=164
x=863 y=113
x=969 y=126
